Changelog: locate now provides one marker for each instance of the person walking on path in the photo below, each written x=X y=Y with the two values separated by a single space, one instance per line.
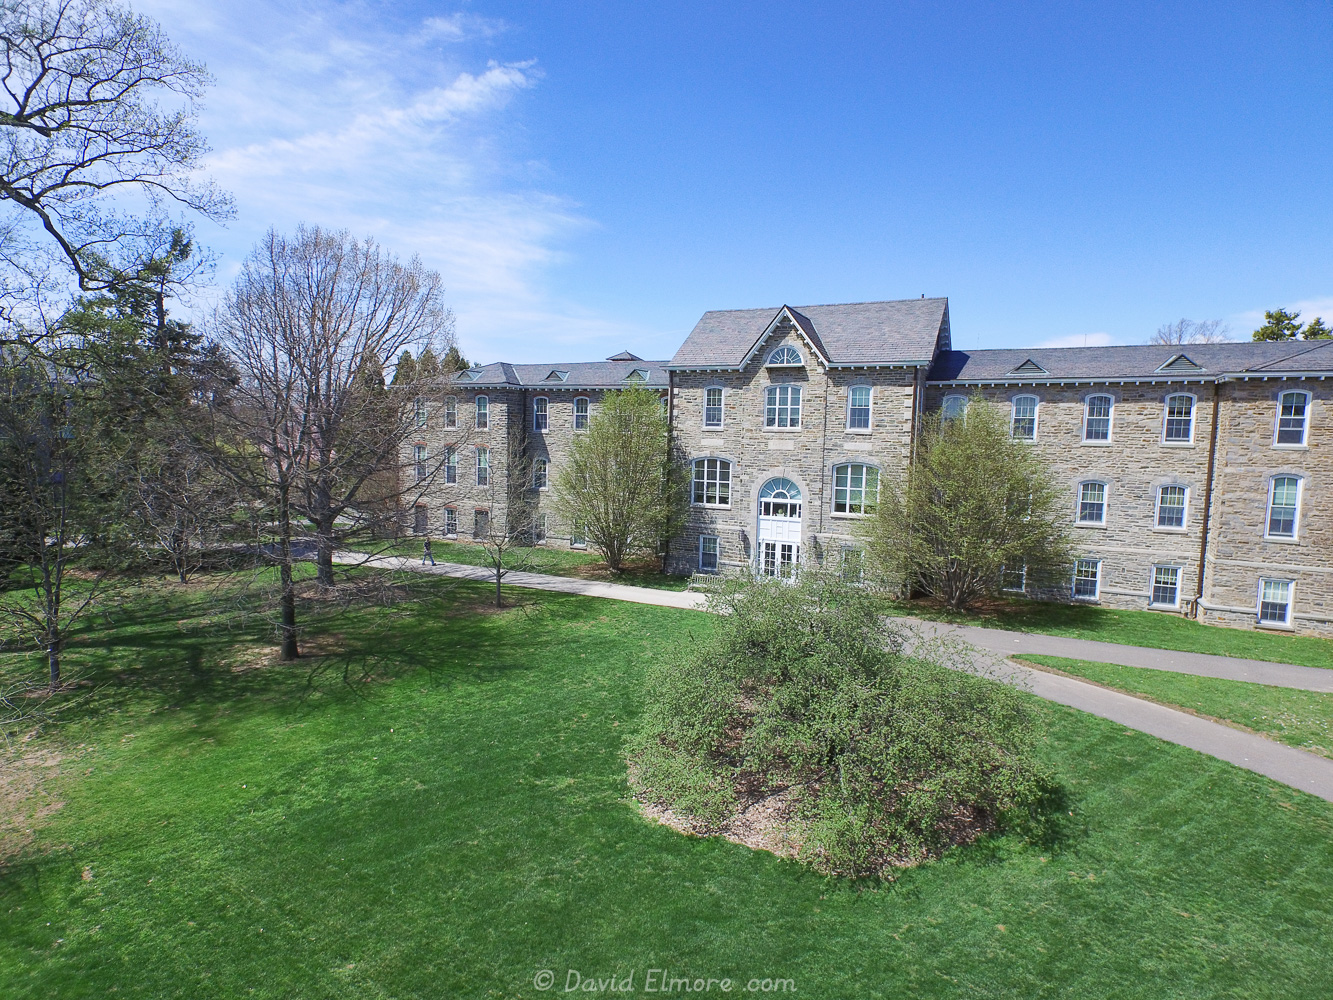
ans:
x=426 y=554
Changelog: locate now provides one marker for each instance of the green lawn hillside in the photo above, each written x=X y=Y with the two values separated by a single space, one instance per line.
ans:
x=439 y=809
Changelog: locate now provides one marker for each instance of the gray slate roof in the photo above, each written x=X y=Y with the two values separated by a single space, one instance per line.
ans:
x=857 y=333
x=579 y=375
x=1135 y=361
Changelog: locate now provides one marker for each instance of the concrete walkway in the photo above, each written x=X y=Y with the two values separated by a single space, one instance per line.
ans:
x=1229 y=668
x=1301 y=770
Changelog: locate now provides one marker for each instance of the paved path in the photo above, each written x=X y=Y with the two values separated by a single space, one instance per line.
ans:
x=1296 y=768
x=1201 y=664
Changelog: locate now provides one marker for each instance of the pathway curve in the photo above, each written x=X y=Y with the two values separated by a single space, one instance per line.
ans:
x=1296 y=768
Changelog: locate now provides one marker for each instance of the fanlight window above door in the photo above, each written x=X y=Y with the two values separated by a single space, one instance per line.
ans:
x=780 y=498
x=785 y=355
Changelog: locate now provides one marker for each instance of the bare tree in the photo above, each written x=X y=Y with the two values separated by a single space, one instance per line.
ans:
x=1187 y=331
x=308 y=317
x=510 y=540
x=97 y=105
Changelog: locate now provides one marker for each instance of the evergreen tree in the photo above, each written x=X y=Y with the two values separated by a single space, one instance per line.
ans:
x=428 y=365
x=454 y=361
x=405 y=372
x=1317 y=330
x=1279 y=325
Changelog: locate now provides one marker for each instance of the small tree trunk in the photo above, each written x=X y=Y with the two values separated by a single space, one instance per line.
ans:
x=324 y=554
x=499 y=575
x=53 y=644
x=287 y=631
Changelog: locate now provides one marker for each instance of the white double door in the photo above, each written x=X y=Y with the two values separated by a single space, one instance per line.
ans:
x=780 y=541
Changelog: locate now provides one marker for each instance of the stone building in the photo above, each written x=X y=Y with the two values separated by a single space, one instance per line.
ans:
x=1199 y=476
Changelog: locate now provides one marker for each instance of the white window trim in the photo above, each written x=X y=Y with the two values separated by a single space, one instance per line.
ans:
x=547 y=401
x=848 y=428
x=1259 y=600
x=546 y=473
x=1194 y=419
x=703 y=415
x=577 y=428
x=833 y=488
x=1157 y=508
x=447 y=533
x=1036 y=416
x=700 y=562
x=1023 y=588
x=476 y=457
x=731 y=481
x=1110 y=421
x=1097 y=596
x=450 y=416
x=1106 y=504
x=1295 y=535
x=944 y=406
x=574 y=533
x=800 y=411
x=1277 y=417
x=478 y=409
x=1152 y=583
x=419 y=411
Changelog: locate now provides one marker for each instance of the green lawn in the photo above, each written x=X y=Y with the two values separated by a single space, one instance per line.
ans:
x=1300 y=718
x=539 y=559
x=1134 y=628
x=456 y=822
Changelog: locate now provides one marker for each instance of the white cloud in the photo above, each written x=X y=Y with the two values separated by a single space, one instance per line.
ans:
x=337 y=115
x=1078 y=340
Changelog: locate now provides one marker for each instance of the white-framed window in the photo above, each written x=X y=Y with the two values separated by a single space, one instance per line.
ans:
x=1293 y=409
x=712 y=482
x=541 y=413
x=1087 y=579
x=483 y=466
x=1165 y=587
x=1178 y=419
x=483 y=413
x=539 y=466
x=419 y=405
x=1284 y=497
x=1014 y=578
x=858 y=408
x=1171 y=501
x=419 y=461
x=1274 y=602
x=855 y=488
x=450 y=522
x=451 y=464
x=1092 y=503
x=708 y=553
x=539 y=529
x=481 y=523
x=713 y=406
x=420 y=519
x=784 y=356
x=953 y=407
x=581 y=413
x=578 y=535
x=782 y=406
x=1023 y=421
x=1097 y=417
x=450 y=411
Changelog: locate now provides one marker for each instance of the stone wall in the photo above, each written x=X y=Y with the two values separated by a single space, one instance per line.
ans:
x=806 y=455
x=1133 y=463
x=1247 y=460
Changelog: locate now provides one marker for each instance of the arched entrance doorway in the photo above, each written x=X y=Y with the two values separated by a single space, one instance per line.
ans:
x=779 y=549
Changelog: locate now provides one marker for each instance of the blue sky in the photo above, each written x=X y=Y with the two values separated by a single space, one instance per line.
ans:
x=593 y=176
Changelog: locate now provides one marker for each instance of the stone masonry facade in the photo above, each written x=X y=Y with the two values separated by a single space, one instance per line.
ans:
x=1199 y=476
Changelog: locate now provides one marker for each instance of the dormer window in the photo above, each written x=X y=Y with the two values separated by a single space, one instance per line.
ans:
x=638 y=375
x=784 y=356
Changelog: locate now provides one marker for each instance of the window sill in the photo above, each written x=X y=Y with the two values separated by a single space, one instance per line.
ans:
x=1178 y=444
x=713 y=428
x=848 y=517
x=1171 y=531
x=1086 y=600
x=1277 y=540
x=781 y=430
x=710 y=506
x=1163 y=607
x=1095 y=444
x=1275 y=626
x=859 y=431
x=1091 y=524
x=1291 y=447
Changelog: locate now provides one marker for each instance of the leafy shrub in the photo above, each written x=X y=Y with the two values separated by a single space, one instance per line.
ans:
x=888 y=755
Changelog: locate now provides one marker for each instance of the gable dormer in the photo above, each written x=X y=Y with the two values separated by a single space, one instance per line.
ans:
x=637 y=375
x=1180 y=363
x=471 y=375
x=556 y=376
x=788 y=319
x=1029 y=367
